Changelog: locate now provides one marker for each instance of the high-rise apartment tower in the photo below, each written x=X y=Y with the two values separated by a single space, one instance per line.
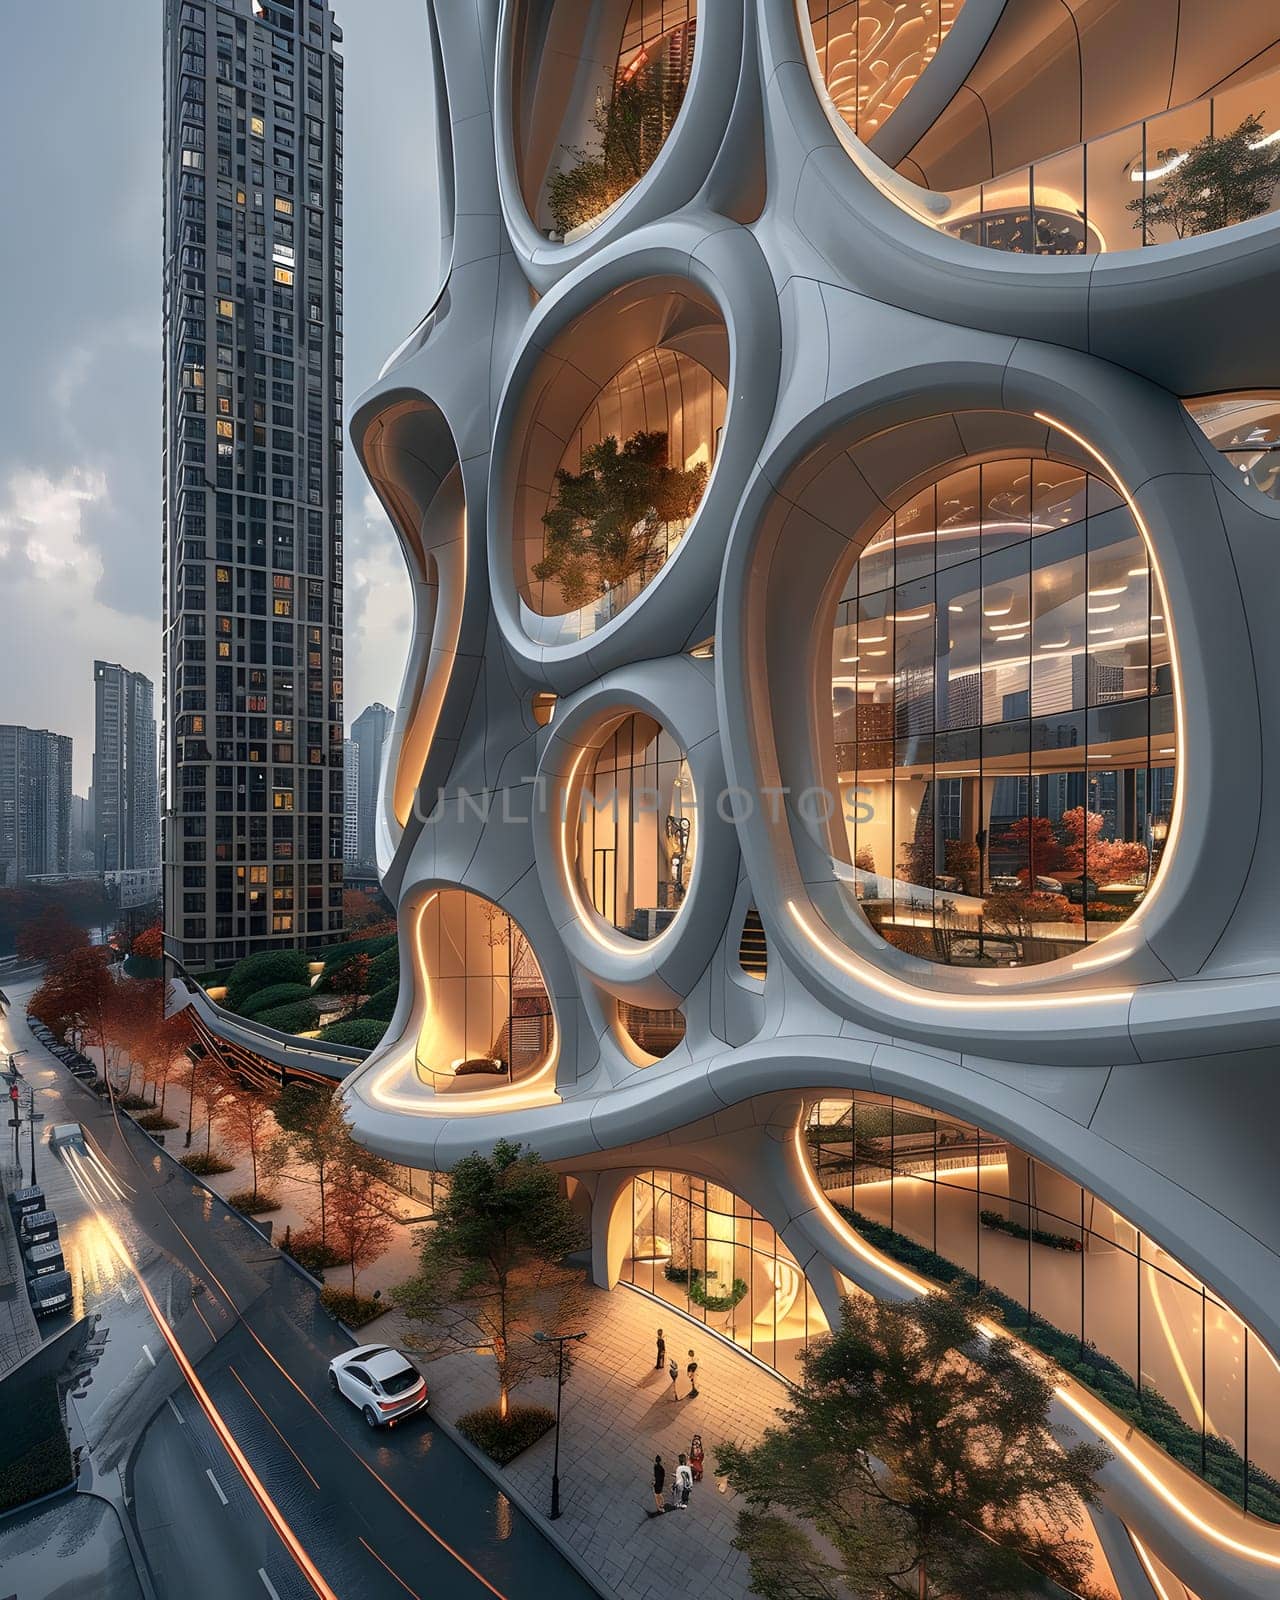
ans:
x=252 y=710
x=125 y=781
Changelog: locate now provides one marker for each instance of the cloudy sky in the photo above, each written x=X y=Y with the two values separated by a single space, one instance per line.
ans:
x=80 y=194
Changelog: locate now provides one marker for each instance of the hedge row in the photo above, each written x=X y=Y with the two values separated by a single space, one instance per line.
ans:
x=35 y=1457
x=363 y=1035
x=378 y=1007
x=337 y=955
x=266 y=967
x=300 y=1017
x=385 y=969
x=275 y=994
x=1209 y=1457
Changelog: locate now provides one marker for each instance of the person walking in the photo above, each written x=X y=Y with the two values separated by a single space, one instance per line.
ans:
x=692 y=1372
x=662 y=1353
x=673 y=1372
x=684 y=1484
x=659 y=1483
x=696 y=1457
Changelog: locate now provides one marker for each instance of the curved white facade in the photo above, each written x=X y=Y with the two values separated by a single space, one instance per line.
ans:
x=864 y=353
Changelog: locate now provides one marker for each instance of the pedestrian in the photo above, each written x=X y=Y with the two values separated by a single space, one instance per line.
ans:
x=662 y=1353
x=659 y=1482
x=684 y=1484
x=673 y=1372
x=695 y=1457
x=692 y=1371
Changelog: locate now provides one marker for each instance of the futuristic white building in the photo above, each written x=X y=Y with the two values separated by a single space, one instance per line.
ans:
x=834 y=835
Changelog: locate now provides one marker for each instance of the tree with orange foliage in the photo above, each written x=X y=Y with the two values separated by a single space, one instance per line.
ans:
x=149 y=943
x=361 y=1227
x=351 y=982
x=245 y=1121
x=365 y=913
x=1103 y=860
x=49 y=936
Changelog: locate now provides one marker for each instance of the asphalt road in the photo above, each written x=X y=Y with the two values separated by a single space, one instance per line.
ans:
x=177 y=1280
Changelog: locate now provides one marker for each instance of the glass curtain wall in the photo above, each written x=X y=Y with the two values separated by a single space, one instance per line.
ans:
x=1188 y=171
x=711 y=1256
x=488 y=1016
x=1003 y=717
x=633 y=517
x=1071 y=1274
x=1245 y=428
x=637 y=837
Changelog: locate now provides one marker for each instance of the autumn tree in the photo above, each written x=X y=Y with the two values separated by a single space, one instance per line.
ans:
x=608 y=522
x=351 y=982
x=1103 y=860
x=365 y=913
x=1017 y=911
x=361 y=1223
x=314 y=1146
x=492 y=1266
x=49 y=936
x=245 y=1121
x=919 y=1453
x=208 y=1088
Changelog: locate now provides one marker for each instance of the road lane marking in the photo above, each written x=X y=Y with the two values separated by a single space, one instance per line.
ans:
x=391 y=1570
x=267 y=1583
x=146 y=1350
x=272 y=1425
x=176 y=1412
x=217 y=1487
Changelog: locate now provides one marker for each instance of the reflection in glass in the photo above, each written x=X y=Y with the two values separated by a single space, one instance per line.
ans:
x=655 y=1031
x=871 y=52
x=488 y=1016
x=1002 y=702
x=701 y=1248
x=637 y=837
x=1071 y=1274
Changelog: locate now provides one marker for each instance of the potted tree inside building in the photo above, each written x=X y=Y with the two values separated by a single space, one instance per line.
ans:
x=1221 y=180
x=609 y=523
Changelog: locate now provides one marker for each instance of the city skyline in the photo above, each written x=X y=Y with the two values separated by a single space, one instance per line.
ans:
x=80 y=514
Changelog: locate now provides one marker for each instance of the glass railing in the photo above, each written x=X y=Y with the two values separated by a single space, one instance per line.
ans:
x=1190 y=171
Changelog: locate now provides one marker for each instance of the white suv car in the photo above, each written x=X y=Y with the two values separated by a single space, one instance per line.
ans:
x=380 y=1382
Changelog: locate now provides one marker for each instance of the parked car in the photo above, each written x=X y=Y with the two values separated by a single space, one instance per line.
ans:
x=37 y=1227
x=1080 y=889
x=40 y=1259
x=24 y=1201
x=381 y=1383
x=51 y=1294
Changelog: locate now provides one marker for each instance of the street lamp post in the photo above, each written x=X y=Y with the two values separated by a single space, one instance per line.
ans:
x=559 y=1340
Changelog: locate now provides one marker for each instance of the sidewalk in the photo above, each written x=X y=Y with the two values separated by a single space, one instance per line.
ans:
x=616 y=1417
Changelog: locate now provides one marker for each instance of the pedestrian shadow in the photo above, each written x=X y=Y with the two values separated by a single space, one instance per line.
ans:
x=654 y=1375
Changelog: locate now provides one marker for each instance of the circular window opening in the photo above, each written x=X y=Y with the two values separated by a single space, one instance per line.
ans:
x=595 y=100
x=653 y=1031
x=637 y=834
x=614 y=467
x=1003 y=717
x=488 y=1019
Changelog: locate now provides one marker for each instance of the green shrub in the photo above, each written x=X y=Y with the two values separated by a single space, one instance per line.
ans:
x=503 y=1441
x=155 y=1122
x=353 y=1309
x=1221 y=1465
x=378 y=1007
x=300 y=1017
x=254 y=1203
x=385 y=969
x=337 y=955
x=35 y=1457
x=1017 y=1230
x=132 y=1102
x=274 y=995
x=363 y=1035
x=205 y=1164
x=257 y=971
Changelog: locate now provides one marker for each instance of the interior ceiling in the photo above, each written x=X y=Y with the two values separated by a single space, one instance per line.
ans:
x=1056 y=73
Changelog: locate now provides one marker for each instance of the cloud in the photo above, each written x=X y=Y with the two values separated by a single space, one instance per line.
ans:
x=51 y=617
x=378 y=612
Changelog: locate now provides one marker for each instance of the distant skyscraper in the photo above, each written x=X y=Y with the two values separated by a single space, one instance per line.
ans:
x=125 y=779
x=253 y=790
x=369 y=732
x=35 y=803
x=351 y=802
x=82 y=832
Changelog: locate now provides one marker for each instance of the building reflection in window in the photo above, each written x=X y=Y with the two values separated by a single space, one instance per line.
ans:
x=656 y=1031
x=1065 y=1260
x=711 y=1256
x=637 y=838
x=1245 y=428
x=488 y=1016
x=1002 y=695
